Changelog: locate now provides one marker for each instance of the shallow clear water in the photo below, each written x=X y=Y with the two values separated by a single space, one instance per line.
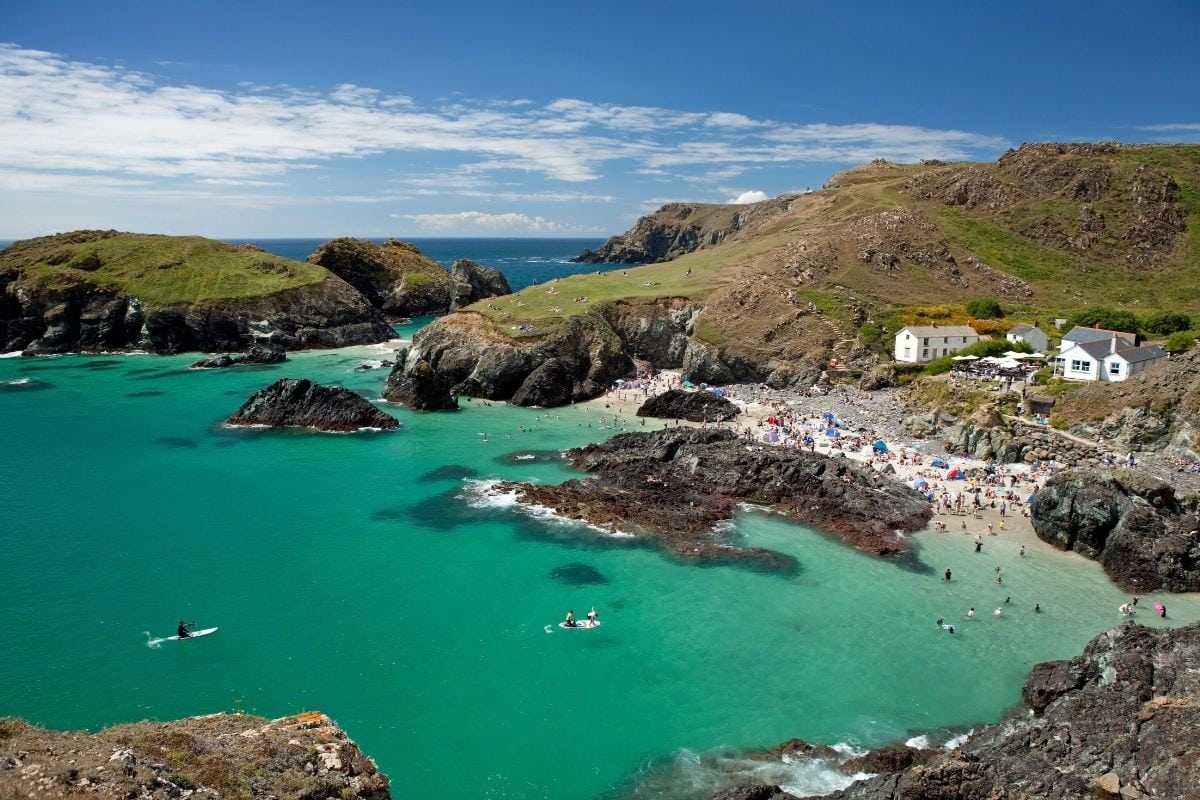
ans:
x=345 y=581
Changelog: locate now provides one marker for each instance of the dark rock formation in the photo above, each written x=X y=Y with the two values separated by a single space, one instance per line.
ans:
x=673 y=486
x=760 y=791
x=292 y=403
x=679 y=228
x=693 y=406
x=1131 y=523
x=255 y=354
x=1117 y=722
x=220 y=755
x=393 y=276
x=470 y=282
x=889 y=758
x=419 y=387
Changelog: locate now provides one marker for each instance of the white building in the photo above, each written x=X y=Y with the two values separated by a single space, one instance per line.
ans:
x=918 y=344
x=1111 y=359
x=1032 y=335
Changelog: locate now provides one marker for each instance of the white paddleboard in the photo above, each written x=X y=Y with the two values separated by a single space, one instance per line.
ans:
x=192 y=635
x=586 y=624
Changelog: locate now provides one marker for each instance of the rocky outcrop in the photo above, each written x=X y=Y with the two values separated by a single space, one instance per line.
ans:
x=1131 y=523
x=470 y=282
x=673 y=486
x=679 y=228
x=292 y=403
x=63 y=294
x=1117 y=722
x=393 y=276
x=419 y=387
x=221 y=755
x=692 y=406
x=881 y=376
x=255 y=354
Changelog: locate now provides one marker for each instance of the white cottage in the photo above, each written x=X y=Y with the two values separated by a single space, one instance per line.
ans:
x=1032 y=335
x=918 y=344
x=1114 y=359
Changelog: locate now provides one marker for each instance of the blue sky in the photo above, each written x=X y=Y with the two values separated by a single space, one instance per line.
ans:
x=540 y=118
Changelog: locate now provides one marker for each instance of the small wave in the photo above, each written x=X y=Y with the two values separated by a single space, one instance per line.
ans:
x=13 y=354
x=920 y=742
x=486 y=494
x=17 y=382
x=153 y=642
x=524 y=457
x=959 y=741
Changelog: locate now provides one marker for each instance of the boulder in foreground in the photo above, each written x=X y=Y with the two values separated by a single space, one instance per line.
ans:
x=220 y=755
x=299 y=403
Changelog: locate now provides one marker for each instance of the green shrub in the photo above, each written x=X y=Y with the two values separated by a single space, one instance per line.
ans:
x=1043 y=376
x=1166 y=322
x=870 y=333
x=1181 y=341
x=984 y=308
x=1104 y=317
x=939 y=366
x=994 y=347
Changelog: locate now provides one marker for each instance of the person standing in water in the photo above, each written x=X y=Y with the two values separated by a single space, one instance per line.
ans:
x=971 y=612
x=947 y=577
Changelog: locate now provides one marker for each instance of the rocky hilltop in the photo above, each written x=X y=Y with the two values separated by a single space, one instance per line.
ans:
x=673 y=487
x=774 y=290
x=1142 y=535
x=679 y=228
x=393 y=276
x=221 y=755
x=105 y=290
x=471 y=282
x=292 y=403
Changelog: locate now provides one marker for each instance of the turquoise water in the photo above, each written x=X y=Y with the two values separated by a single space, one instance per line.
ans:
x=417 y=615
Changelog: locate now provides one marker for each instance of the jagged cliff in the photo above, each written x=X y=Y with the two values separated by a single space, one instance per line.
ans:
x=220 y=755
x=104 y=290
x=393 y=276
x=776 y=289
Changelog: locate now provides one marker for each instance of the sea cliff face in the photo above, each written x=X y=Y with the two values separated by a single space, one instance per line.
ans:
x=220 y=755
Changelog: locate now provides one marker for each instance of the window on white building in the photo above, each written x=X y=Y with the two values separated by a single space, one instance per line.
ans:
x=1114 y=368
x=1081 y=366
x=924 y=354
x=908 y=352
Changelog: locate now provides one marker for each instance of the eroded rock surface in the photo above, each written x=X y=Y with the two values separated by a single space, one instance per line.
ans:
x=471 y=282
x=692 y=406
x=1130 y=522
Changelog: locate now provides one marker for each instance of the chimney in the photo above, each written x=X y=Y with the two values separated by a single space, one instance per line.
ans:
x=1112 y=347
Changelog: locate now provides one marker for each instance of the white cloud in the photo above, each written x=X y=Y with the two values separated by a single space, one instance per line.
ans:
x=750 y=196
x=1173 y=126
x=478 y=222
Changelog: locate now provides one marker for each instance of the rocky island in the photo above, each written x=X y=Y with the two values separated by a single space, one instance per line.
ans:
x=673 y=486
x=292 y=403
x=692 y=406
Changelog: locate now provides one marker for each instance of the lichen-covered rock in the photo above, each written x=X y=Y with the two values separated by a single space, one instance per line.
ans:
x=471 y=282
x=692 y=406
x=299 y=403
x=1131 y=523
x=673 y=486
x=220 y=755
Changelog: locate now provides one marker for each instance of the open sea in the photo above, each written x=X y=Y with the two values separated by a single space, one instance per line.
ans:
x=373 y=577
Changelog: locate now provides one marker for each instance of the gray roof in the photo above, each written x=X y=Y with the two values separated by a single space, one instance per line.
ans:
x=1022 y=327
x=1136 y=355
x=940 y=330
x=1097 y=350
x=1080 y=334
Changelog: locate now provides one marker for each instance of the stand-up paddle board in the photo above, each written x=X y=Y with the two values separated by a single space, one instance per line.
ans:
x=192 y=635
x=581 y=624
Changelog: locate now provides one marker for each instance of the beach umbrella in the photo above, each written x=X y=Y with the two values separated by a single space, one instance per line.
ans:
x=954 y=474
x=832 y=433
x=880 y=445
x=962 y=358
x=938 y=463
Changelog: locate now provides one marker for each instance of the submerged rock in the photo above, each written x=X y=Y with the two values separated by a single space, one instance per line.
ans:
x=578 y=574
x=293 y=403
x=692 y=406
x=674 y=486
x=1131 y=523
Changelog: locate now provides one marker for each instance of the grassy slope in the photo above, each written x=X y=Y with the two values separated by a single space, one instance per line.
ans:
x=165 y=270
